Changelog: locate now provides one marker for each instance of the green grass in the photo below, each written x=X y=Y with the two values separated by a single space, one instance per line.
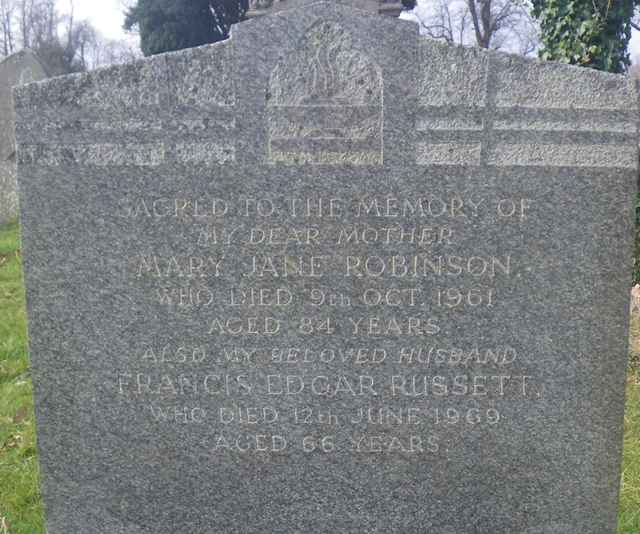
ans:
x=20 y=505
x=629 y=518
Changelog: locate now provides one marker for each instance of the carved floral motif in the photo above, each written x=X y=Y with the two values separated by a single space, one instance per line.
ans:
x=325 y=101
x=327 y=70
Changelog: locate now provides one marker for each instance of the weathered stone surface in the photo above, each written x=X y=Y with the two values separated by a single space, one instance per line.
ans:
x=22 y=67
x=265 y=7
x=329 y=276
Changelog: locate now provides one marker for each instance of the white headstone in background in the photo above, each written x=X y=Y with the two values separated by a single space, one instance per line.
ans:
x=17 y=69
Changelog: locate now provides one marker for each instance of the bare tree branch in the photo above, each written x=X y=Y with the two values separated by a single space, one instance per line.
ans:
x=476 y=21
x=6 y=25
x=486 y=23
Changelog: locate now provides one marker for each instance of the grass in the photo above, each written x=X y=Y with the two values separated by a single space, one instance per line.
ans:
x=20 y=504
x=629 y=517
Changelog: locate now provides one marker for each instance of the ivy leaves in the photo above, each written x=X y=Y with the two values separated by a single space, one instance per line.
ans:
x=589 y=33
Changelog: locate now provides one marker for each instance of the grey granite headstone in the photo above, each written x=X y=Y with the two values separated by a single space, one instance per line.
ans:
x=264 y=7
x=329 y=277
x=19 y=68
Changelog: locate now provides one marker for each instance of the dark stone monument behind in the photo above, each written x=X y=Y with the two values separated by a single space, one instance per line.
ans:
x=329 y=276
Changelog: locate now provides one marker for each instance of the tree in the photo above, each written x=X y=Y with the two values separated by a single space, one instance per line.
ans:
x=111 y=52
x=590 y=33
x=495 y=24
x=62 y=43
x=166 y=25
x=7 y=12
x=63 y=51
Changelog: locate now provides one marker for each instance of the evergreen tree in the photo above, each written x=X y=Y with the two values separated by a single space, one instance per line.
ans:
x=167 y=25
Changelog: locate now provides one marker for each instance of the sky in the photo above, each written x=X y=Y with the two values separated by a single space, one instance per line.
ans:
x=108 y=17
x=105 y=15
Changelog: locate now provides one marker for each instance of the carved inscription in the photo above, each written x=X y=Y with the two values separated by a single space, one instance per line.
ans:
x=302 y=303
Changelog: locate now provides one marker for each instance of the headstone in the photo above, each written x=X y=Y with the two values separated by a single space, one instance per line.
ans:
x=19 y=68
x=329 y=276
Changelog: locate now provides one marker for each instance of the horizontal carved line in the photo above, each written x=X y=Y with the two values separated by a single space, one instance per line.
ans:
x=333 y=144
x=563 y=137
x=548 y=137
x=448 y=153
x=506 y=154
x=326 y=157
x=102 y=130
x=528 y=119
x=326 y=151
x=450 y=136
x=526 y=124
x=143 y=155
x=449 y=123
x=207 y=154
x=352 y=122
x=136 y=155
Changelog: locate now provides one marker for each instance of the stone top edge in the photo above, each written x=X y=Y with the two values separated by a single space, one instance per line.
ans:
x=186 y=51
x=530 y=60
x=339 y=4
x=336 y=5
x=141 y=61
x=583 y=72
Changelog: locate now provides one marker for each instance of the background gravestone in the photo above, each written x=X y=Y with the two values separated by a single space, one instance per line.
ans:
x=329 y=276
x=19 y=68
